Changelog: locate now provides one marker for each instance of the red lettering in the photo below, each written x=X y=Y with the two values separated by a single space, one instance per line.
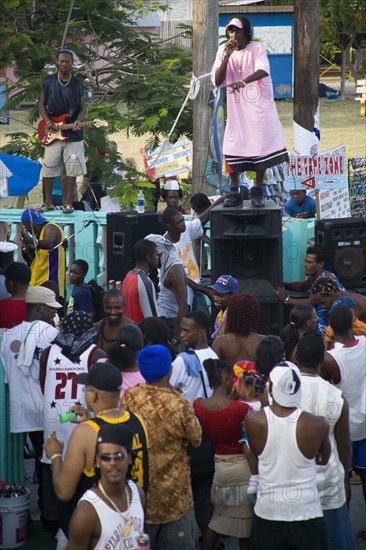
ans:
x=326 y=160
x=299 y=166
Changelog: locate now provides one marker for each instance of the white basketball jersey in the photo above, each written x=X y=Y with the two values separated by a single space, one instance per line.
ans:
x=61 y=391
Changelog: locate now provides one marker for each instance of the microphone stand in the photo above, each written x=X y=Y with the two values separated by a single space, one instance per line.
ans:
x=64 y=243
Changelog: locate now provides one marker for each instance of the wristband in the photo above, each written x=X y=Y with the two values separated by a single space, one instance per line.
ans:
x=243 y=82
x=56 y=455
x=287 y=299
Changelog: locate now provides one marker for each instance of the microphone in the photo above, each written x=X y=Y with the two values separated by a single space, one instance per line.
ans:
x=86 y=224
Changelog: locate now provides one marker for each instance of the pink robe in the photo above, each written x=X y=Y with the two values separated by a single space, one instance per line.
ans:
x=253 y=128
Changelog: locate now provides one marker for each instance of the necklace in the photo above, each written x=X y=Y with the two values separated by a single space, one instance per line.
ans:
x=239 y=66
x=127 y=529
x=63 y=85
x=101 y=413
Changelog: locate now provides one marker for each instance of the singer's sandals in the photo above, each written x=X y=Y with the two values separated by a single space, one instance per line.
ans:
x=67 y=209
x=45 y=208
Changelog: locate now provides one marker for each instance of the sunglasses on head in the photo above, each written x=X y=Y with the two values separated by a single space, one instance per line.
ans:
x=118 y=457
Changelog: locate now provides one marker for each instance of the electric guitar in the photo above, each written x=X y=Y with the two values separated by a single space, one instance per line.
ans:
x=47 y=137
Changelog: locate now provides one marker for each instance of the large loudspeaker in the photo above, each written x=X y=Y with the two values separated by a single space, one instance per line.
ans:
x=345 y=242
x=124 y=229
x=247 y=244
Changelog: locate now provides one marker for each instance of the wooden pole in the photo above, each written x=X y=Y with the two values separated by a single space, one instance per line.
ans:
x=306 y=64
x=204 y=43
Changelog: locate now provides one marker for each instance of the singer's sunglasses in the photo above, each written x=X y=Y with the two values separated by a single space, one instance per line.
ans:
x=118 y=457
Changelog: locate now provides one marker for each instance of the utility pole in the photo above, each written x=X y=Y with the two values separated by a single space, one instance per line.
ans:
x=306 y=70
x=204 y=44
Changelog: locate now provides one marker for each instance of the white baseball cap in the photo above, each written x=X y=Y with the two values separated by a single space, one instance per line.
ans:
x=286 y=384
x=171 y=185
x=6 y=247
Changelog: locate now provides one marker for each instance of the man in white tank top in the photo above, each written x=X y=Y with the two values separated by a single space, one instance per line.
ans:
x=345 y=367
x=288 y=444
x=321 y=398
x=111 y=514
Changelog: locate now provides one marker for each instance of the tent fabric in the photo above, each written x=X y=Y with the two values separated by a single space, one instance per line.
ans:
x=25 y=174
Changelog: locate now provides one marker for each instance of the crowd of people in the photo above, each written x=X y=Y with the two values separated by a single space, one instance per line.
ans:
x=186 y=423
x=164 y=411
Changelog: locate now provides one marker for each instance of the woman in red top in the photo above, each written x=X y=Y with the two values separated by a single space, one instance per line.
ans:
x=221 y=418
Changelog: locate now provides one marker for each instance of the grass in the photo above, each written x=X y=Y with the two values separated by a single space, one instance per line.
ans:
x=340 y=124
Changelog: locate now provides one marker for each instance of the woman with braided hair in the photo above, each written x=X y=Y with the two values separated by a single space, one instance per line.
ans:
x=222 y=418
x=241 y=339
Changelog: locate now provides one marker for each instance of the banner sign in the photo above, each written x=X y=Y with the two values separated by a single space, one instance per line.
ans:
x=169 y=160
x=334 y=204
x=324 y=171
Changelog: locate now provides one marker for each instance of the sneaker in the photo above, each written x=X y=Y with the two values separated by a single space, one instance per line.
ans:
x=256 y=195
x=233 y=199
x=253 y=485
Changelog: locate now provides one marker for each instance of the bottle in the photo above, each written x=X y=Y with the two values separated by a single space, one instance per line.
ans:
x=68 y=416
x=140 y=202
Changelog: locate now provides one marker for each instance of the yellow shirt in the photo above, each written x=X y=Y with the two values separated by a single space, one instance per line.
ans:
x=358 y=329
x=49 y=266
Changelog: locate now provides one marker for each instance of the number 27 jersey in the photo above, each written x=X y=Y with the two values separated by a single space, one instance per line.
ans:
x=61 y=391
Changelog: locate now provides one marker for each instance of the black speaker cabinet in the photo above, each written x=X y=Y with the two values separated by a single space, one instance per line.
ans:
x=247 y=244
x=124 y=229
x=345 y=242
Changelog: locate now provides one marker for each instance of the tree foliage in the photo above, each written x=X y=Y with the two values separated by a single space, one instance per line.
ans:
x=134 y=83
x=343 y=26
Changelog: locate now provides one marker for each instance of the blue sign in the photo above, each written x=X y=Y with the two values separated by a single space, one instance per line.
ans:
x=324 y=171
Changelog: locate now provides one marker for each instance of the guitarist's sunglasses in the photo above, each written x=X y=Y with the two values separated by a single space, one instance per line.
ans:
x=64 y=50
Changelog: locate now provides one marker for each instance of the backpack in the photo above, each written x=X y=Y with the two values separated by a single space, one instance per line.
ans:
x=201 y=458
x=97 y=294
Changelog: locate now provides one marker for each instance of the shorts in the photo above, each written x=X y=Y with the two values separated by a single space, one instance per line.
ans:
x=181 y=534
x=288 y=535
x=236 y=164
x=64 y=157
x=359 y=457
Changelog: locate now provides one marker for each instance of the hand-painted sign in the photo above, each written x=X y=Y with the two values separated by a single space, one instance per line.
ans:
x=324 y=171
x=169 y=160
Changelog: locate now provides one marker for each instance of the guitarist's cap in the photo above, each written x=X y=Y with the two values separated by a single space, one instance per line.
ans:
x=31 y=215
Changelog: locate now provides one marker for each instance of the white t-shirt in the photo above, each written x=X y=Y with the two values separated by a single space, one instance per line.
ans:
x=20 y=352
x=191 y=386
x=323 y=399
x=194 y=230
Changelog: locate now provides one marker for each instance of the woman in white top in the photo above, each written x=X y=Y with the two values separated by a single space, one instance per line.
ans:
x=111 y=514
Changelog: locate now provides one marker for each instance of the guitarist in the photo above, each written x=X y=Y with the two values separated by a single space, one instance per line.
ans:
x=62 y=93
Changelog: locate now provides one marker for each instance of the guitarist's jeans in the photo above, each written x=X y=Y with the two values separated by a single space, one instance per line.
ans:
x=64 y=157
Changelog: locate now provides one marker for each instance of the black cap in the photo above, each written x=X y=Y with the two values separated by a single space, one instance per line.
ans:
x=118 y=434
x=18 y=273
x=102 y=376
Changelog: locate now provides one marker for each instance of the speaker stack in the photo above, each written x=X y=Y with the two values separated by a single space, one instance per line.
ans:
x=247 y=244
x=345 y=242
x=124 y=229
